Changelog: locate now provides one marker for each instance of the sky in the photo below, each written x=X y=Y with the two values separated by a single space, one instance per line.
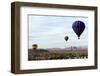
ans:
x=50 y=31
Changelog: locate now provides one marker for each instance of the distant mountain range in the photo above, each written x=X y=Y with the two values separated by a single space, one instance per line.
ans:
x=60 y=50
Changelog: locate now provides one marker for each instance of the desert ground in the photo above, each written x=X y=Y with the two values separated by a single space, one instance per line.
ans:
x=57 y=53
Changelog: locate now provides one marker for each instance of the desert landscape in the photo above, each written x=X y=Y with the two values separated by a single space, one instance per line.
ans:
x=58 y=53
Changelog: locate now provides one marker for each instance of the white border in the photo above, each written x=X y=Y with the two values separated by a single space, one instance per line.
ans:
x=25 y=64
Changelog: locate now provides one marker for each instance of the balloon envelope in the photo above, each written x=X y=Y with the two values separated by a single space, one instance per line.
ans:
x=78 y=27
x=66 y=38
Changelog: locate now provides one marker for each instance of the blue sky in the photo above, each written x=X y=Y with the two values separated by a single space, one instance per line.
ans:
x=49 y=31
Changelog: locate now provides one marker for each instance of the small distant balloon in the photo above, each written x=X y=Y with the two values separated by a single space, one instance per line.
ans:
x=34 y=46
x=66 y=38
x=78 y=27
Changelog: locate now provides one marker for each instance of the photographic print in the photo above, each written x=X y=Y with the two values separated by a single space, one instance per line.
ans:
x=52 y=37
x=57 y=37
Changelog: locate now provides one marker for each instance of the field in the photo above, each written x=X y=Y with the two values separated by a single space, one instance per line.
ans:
x=57 y=53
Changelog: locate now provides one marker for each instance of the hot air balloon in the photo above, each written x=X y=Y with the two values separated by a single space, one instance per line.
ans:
x=66 y=38
x=34 y=46
x=78 y=27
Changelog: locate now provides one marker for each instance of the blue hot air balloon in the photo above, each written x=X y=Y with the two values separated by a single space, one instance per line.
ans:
x=66 y=38
x=78 y=27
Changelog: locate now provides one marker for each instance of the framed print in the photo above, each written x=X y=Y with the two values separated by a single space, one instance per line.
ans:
x=52 y=37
